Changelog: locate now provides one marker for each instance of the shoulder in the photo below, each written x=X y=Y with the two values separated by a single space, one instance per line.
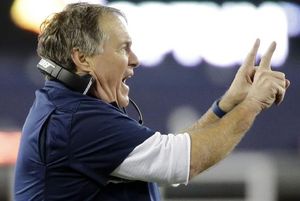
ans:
x=100 y=116
x=102 y=123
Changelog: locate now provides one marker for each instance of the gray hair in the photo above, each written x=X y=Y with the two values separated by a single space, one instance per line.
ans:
x=77 y=26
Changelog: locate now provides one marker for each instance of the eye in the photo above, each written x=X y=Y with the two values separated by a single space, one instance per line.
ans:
x=125 y=49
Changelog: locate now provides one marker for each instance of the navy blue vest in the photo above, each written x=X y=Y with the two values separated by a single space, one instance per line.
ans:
x=69 y=146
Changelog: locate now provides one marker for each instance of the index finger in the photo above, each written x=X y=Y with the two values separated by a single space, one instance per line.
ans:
x=265 y=62
x=251 y=57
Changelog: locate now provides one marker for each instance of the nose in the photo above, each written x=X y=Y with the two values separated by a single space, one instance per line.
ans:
x=133 y=60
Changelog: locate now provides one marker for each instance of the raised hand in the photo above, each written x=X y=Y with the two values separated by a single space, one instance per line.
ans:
x=265 y=65
x=268 y=86
x=242 y=82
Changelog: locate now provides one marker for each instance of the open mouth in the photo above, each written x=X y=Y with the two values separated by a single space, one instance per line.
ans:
x=125 y=78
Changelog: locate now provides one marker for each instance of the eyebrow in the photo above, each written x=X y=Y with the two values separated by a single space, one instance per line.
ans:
x=126 y=42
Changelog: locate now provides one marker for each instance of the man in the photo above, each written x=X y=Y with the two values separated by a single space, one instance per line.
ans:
x=78 y=144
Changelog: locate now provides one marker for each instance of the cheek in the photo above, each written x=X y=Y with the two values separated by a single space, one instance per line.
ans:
x=111 y=69
x=110 y=76
x=117 y=69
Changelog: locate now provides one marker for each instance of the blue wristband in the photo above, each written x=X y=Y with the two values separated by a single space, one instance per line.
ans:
x=217 y=110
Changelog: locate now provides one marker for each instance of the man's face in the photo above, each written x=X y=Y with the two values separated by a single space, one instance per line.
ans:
x=115 y=64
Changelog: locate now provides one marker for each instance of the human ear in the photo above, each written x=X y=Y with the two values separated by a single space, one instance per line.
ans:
x=80 y=60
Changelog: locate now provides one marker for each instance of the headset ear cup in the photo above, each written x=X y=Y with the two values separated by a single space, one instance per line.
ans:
x=73 y=81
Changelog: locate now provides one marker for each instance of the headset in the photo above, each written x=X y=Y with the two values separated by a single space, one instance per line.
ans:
x=74 y=81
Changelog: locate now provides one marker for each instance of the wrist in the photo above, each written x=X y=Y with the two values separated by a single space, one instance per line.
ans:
x=252 y=105
x=219 y=112
x=227 y=102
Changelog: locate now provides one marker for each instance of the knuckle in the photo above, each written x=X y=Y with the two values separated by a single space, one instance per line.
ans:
x=280 y=74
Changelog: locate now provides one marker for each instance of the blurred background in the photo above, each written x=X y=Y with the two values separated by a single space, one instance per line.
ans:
x=189 y=53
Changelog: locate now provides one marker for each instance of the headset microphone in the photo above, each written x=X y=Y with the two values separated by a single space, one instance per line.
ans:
x=141 y=121
x=75 y=82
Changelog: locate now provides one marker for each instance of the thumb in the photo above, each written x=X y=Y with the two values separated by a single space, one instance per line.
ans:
x=287 y=83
